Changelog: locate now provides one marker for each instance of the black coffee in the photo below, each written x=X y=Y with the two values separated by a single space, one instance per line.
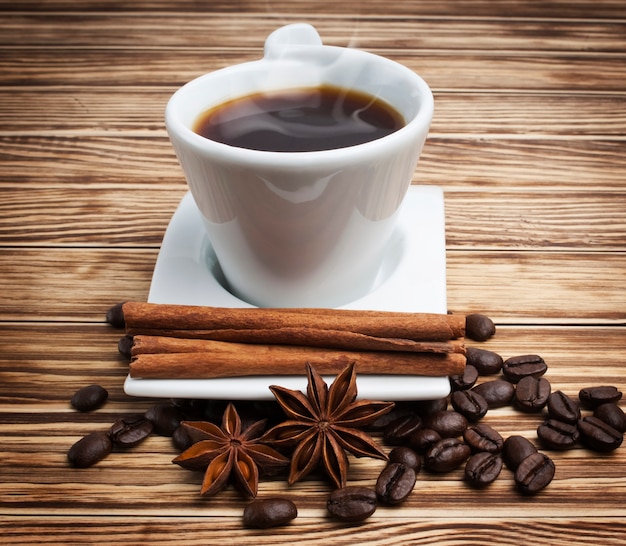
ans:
x=300 y=120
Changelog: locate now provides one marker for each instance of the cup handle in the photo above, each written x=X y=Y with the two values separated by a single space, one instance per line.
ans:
x=297 y=34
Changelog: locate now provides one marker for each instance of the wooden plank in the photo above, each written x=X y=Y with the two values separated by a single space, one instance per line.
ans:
x=84 y=111
x=558 y=220
x=562 y=9
x=493 y=163
x=208 y=31
x=138 y=160
x=529 y=115
x=577 y=356
x=48 y=284
x=82 y=354
x=442 y=70
x=499 y=163
x=515 y=287
x=79 y=284
x=561 y=531
x=126 y=111
x=120 y=215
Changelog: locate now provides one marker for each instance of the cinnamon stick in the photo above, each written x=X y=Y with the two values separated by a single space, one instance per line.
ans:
x=308 y=337
x=198 y=321
x=227 y=359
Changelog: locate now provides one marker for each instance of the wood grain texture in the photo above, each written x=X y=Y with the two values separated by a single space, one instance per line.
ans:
x=506 y=531
x=520 y=163
x=70 y=284
x=121 y=215
x=577 y=356
x=528 y=142
x=558 y=9
x=441 y=69
x=215 y=31
x=128 y=111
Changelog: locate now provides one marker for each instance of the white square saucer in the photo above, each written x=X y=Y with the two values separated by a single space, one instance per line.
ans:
x=412 y=279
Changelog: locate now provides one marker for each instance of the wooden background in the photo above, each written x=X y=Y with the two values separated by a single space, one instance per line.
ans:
x=528 y=142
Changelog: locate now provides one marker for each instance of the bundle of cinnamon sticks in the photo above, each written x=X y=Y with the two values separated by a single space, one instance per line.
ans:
x=193 y=342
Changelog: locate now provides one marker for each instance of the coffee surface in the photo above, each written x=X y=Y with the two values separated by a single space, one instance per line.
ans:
x=299 y=120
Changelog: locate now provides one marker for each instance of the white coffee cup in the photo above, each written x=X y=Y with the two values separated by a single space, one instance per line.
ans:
x=301 y=229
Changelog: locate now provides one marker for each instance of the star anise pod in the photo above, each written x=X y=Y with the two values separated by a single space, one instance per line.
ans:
x=229 y=451
x=324 y=424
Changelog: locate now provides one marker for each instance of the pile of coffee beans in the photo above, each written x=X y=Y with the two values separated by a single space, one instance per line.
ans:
x=427 y=435
x=445 y=437
x=163 y=419
x=438 y=436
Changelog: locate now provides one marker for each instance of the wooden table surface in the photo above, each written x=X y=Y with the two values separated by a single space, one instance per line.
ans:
x=528 y=143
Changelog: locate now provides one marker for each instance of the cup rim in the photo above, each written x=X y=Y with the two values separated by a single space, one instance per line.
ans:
x=421 y=121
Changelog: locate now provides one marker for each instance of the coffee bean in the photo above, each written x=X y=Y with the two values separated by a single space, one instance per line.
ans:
x=399 y=431
x=426 y=407
x=125 y=346
x=352 y=504
x=422 y=440
x=465 y=380
x=181 y=438
x=165 y=418
x=483 y=468
x=385 y=420
x=89 y=398
x=115 y=316
x=446 y=455
x=470 y=404
x=447 y=423
x=479 y=327
x=517 y=367
x=90 y=449
x=269 y=512
x=130 y=431
x=497 y=392
x=612 y=415
x=515 y=449
x=406 y=456
x=563 y=408
x=486 y=362
x=599 y=436
x=482 y=437
x=251 y=411
x=534 y=473
x=558 y=434
x=199 y=410
x=592 y=397
x=531 y=394
x=395 y=483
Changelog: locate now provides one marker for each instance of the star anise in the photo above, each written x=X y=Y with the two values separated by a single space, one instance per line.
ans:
x=229 y=451
x=325 y=424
